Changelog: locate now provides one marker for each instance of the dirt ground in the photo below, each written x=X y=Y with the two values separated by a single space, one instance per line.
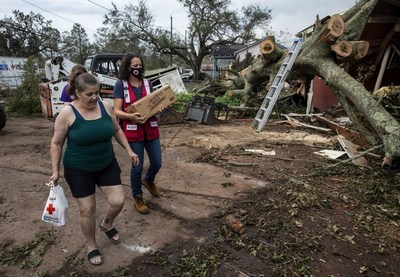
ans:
x=300 y=215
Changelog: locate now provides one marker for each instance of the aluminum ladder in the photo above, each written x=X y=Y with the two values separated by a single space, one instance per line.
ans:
x=272 y=95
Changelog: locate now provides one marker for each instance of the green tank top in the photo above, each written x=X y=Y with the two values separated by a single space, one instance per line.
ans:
x=89 y=144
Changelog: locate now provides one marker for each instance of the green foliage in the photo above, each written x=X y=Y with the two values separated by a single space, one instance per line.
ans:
x=181 y=100
x=211 y=23
x=26 y=99
x=203 y=260
x=25 y=35
x=228 y=100
x=184 y=97
x=378 y=191
x=30 y=254
x=75 y=44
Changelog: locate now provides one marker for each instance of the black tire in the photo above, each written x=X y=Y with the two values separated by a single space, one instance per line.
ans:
x=2 y=119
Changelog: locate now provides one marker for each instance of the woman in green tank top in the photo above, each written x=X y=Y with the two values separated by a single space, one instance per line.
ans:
x=88 y=125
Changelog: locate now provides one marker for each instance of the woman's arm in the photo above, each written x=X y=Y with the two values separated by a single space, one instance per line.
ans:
x=61 y=127
x=120 y=136
x=136 y=118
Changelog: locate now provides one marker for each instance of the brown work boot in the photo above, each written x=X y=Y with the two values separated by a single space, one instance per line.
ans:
x=151 y=187
x=139 y=204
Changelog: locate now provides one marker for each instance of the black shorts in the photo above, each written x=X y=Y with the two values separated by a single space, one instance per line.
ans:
x=83 y=183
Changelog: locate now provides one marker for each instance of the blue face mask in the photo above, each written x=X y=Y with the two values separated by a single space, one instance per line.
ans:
x=137 y=72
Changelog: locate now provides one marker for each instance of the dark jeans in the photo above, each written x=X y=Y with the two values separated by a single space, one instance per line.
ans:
x=153 y=149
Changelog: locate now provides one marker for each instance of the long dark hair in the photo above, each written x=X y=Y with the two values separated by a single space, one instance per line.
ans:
x=125 y=68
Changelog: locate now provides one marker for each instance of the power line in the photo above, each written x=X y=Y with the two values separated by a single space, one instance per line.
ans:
x=166 y=28
x=48 y=11
x=99 y=5
x=57 y=15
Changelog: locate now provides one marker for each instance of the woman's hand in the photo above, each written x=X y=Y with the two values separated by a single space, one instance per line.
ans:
x=161 y=108
x=54 y=178
x=133 y=157
x=137 y=118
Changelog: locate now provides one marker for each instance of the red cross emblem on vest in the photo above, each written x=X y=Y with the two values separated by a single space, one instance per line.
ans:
x=50 y=209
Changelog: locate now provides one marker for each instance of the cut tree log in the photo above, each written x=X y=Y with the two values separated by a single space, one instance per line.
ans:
x=332 y=29
x=361 y=49
x=350 y=50
x=343 y=49
x=270 y=51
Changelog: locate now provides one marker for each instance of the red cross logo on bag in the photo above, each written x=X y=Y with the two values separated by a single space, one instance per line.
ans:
x=50 y=209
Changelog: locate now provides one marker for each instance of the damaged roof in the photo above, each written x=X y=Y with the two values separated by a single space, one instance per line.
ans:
x=382 y=31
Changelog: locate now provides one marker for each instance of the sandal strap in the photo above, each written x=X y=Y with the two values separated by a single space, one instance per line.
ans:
x=111 y=233
x=93 y=253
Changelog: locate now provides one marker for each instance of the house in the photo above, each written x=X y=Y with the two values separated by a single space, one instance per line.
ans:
x=252 y=48
x=224 y=55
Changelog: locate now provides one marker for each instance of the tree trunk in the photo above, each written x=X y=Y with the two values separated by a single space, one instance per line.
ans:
x=335 y=42
x=316 y=56
x=385 y=125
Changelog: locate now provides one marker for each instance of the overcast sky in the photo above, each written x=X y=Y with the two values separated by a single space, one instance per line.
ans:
x=291 y=16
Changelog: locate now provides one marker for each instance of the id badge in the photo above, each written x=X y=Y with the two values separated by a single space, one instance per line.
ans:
x=131 y=127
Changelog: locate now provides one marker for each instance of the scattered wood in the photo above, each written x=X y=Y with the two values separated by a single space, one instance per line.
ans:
x=351 y=150
x=202 y=89
x=344 y=131
x=296 y=123
x=330 y=154
x=303 y=115
x=241 y=164
x=366 y=152
x=262 y=152
x=234 y=224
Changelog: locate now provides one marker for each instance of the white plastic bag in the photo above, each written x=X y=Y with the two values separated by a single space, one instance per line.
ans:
x=55 y=211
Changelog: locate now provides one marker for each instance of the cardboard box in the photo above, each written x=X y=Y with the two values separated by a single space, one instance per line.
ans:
x=150 y=105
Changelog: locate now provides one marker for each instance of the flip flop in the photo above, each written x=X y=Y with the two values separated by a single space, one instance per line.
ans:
x=94 y=254
x=109 y=233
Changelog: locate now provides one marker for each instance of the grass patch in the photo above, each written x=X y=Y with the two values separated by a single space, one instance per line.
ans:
x=30 y=254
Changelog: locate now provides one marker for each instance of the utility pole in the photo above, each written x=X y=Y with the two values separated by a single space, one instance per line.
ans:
x=171 y=41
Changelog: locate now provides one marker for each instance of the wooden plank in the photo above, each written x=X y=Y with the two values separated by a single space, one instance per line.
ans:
x=344 y=131
x=351 y=150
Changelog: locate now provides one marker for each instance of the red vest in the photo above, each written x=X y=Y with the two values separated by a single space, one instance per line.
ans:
x=138 y=132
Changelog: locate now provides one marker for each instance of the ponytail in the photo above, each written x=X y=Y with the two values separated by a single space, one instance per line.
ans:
x=80 y=80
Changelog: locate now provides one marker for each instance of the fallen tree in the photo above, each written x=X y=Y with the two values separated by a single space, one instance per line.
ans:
x=316 y=56
x=332 y=47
